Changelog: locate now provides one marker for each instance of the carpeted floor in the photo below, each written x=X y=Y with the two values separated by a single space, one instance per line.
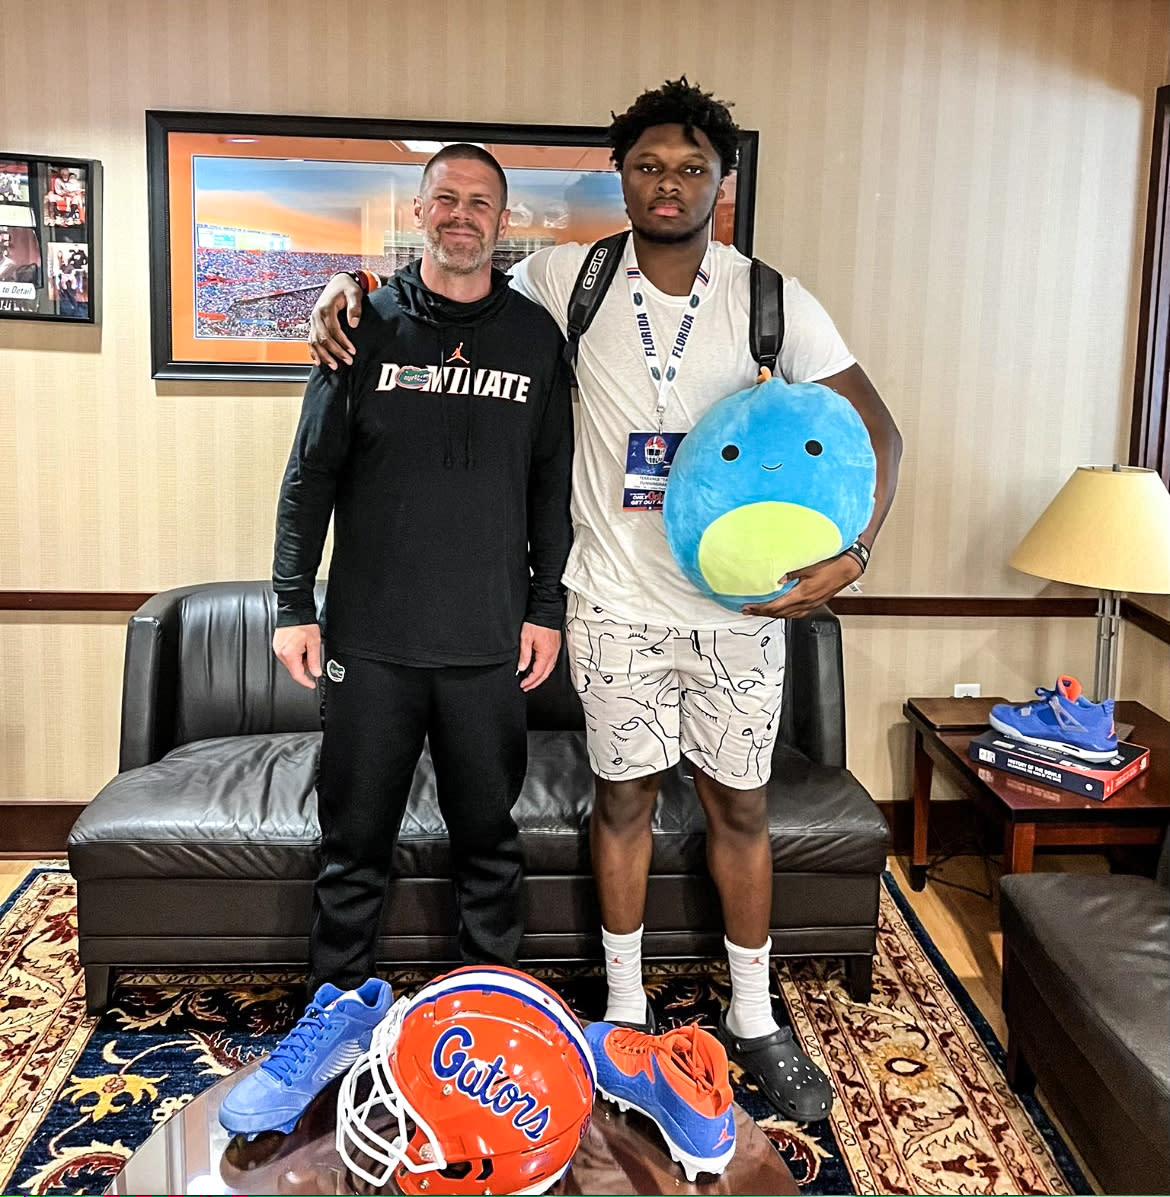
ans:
x=922 y=1105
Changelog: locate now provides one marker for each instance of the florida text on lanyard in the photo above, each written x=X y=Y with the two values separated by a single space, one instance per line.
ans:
x=664 y=377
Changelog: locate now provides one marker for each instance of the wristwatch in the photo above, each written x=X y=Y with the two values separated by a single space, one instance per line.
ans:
x=366 y=279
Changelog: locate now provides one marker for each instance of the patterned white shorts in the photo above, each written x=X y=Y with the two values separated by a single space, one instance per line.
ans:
x=650 y=693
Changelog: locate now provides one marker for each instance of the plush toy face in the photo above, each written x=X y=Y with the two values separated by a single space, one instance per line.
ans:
x=771 y=479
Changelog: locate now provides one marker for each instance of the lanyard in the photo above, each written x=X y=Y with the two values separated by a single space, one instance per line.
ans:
x=664 y=378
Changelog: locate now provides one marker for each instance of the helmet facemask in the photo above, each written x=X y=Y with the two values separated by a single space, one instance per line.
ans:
x=482 y=1083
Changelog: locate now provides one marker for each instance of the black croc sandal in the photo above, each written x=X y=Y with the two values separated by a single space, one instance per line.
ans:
x=647 y=1027
x=794 y=1085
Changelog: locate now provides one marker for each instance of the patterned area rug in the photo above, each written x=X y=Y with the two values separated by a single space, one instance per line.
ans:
x=922 y=1105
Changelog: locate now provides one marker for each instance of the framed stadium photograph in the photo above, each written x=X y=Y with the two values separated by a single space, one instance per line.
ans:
x=49 y=221
x=250 y=215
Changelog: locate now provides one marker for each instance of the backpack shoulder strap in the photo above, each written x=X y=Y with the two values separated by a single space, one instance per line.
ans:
x=597 y=271
x=767 y=314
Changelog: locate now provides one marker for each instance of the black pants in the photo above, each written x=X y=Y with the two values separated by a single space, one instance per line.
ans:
x=376 y=720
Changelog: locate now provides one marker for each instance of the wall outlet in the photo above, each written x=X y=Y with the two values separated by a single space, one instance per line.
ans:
x=966 y=689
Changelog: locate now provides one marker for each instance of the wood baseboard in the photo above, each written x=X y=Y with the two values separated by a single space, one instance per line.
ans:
x=31 y=827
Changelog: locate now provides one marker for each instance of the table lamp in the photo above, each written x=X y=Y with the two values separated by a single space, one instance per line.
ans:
x=1107 y=528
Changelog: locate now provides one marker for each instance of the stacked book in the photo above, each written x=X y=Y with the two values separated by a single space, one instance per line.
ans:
x=1050 y=767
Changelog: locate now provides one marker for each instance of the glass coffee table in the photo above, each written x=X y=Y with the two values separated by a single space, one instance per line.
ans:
x=620 y=1153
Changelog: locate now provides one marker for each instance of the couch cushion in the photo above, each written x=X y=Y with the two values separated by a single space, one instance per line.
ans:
x=1098 y=950
x=821 y=819
x=238 y=807
x=244 y=806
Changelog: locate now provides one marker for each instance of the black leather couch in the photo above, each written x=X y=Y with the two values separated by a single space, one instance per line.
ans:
x=1086 y=994
x=202 y=850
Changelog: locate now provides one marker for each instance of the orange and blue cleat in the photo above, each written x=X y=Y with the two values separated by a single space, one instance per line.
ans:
x=679 y=1081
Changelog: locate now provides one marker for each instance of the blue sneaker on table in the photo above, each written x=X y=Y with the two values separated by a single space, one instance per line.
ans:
x=332 y=1033
x=1064 y=720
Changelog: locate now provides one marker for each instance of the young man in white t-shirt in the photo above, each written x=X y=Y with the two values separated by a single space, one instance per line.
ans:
x=662 y=671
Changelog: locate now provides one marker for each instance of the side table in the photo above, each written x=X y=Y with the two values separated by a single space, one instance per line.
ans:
x=1034 y=815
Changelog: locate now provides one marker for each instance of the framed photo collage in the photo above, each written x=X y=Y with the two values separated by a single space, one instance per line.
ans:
x=49 y=211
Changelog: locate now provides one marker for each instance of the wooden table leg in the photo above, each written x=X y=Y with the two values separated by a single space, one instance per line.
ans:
x=920 y=799
x=1019 y=844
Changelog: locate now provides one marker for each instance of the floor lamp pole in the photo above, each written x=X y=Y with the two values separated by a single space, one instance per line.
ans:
x=1108 y=631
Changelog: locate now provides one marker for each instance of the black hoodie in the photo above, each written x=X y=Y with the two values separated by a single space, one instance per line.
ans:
x=444 y=453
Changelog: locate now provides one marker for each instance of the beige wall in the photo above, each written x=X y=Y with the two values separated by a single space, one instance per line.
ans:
x=962 y=183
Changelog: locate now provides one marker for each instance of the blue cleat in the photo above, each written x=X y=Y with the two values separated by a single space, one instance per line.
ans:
x=1064 y=721
x=679 y=1081
x=332 y=1033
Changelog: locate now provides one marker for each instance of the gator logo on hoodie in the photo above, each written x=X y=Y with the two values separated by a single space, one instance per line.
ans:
x=455 y=380
x=412 y=378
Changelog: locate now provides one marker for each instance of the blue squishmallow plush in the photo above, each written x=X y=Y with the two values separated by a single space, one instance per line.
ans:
x=771 y=479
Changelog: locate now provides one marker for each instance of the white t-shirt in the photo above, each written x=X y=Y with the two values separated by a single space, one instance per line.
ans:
x=621 y=559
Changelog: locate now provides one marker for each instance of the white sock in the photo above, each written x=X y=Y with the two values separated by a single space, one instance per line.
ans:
x=623 y=974
x=750 y=1013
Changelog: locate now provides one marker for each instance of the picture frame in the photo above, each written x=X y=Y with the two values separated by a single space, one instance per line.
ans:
x=50 y=214
x=251 y=214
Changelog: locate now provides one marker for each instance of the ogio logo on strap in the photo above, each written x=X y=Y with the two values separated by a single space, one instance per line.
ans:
x=595 y=265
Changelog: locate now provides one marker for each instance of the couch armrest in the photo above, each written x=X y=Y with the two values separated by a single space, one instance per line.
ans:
x=813 y=713
x=149 y=679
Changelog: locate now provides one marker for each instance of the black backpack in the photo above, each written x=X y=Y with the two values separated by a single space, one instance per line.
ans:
x=601 y=262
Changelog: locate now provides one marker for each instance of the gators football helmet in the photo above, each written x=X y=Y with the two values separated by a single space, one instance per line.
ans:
x=483 y=1082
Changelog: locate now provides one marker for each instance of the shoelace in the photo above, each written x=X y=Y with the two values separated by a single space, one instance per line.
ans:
x=691 y=1063
x=1052 y=700
x=682 y=1053
x=1064 y=720
x=294 y=1048
x=627 y=1039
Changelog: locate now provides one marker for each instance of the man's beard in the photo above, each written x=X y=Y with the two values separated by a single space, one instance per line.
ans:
x=465 y=259
x=672 y=236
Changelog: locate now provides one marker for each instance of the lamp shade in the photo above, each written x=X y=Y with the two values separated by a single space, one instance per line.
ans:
x=1108 y=528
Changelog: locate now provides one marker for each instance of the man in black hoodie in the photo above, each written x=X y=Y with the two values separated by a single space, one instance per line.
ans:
x=443 y=453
